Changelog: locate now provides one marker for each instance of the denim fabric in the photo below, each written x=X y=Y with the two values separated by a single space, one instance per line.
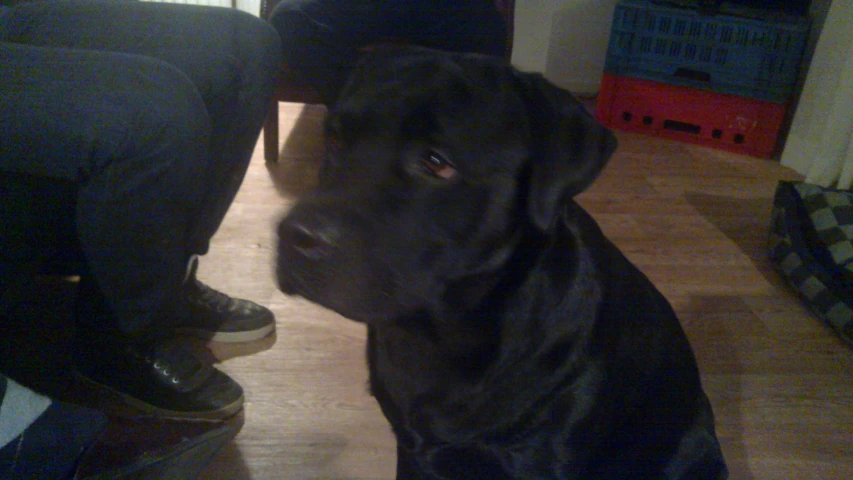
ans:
x=321 y=38
x=152 y=112
x=40 y=438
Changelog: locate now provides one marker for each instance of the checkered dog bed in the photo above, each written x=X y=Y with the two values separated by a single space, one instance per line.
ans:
x=811 y=244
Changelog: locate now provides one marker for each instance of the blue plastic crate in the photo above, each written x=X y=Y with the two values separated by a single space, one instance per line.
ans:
x=747 y=56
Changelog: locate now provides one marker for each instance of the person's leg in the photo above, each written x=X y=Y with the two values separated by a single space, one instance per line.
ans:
x=41 y=438
x=231 y=58
x=131 y=132
x=321 y=38
x=470 y=26
x=44 y=438
x=37 y=227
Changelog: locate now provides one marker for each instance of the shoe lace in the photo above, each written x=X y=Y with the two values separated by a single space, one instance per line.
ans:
x=210 y=297
x=167 y=360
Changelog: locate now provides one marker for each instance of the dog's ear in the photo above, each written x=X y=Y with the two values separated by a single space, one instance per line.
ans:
x=570 y=147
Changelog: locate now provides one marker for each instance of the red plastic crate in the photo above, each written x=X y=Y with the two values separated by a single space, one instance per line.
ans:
x=727 y=122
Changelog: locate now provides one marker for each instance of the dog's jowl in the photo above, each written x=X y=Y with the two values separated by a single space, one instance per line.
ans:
x=507 y=337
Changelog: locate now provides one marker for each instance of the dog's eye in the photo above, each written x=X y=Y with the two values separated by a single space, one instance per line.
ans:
x=434 y=163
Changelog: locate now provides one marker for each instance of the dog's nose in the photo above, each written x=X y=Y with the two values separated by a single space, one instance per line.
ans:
x=312 y=238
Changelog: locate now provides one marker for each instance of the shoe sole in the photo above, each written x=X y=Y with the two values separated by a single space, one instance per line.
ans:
x=245 y=336
x=223 y=413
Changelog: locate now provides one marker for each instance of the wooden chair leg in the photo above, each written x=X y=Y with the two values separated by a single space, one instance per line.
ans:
x=271 y=134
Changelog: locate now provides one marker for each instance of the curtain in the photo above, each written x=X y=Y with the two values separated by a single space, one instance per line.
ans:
x=820 y=143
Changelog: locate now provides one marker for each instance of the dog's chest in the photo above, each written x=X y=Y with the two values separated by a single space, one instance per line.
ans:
x=406 y=367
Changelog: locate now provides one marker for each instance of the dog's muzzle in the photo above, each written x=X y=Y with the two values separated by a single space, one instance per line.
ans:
x=305 y=242
x=313 y=238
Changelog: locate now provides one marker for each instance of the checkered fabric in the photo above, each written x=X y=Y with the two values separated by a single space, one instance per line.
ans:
x=831 y=212
x=811 y=244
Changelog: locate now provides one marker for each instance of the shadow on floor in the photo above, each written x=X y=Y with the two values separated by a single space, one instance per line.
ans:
x=301 y=155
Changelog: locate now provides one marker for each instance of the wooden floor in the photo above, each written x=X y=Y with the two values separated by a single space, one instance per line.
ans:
x=693 y=219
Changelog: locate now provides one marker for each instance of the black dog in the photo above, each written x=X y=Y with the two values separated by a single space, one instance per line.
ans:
x=507 y=337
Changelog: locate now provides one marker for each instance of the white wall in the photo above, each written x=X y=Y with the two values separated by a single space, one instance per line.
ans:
x=566 y=40
x=251 y=6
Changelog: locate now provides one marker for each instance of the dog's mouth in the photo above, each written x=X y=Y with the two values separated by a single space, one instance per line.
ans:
x=328 y=259
x=345 y=304
x=297 y=281
x=341 y=283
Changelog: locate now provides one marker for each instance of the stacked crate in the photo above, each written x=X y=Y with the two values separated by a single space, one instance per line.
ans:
x=722 y=78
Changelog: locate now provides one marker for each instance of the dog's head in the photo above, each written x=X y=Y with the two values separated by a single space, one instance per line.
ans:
x=436 y=165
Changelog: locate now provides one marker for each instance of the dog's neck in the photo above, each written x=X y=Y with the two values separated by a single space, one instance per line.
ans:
x=487 y=351
x=473 y=326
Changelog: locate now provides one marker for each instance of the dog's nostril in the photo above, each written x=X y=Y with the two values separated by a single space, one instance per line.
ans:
x=304 y=237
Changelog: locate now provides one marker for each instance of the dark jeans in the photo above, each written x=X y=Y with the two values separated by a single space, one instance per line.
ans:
x=321 y=38
x=134 y=124
x=48 y=445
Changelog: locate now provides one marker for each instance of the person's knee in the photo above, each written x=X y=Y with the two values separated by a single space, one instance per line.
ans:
x=175 y=110
x=152 y=119
x=291 y=8
x=263 y=41
x=104 y=108
x=256 y=36
x=292 y=20
x=269 y=42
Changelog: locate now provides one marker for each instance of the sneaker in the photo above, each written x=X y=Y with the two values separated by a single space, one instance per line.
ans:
x=211 y=315
x=160 y=377
x=150 y=448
